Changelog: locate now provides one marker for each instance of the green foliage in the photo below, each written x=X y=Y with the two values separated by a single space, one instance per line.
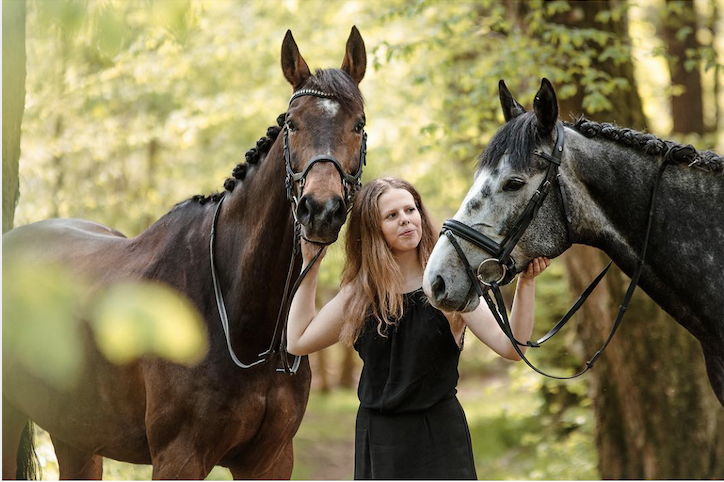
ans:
x=44 y=303
x=134 y=106
x=41 y=333
x=515 y=435
x=134 y=319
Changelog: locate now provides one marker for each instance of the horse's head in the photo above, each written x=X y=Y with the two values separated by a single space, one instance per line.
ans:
x=512 y=168
x=324 y=138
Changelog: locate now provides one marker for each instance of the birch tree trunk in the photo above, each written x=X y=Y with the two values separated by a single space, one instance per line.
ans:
x=13 y=36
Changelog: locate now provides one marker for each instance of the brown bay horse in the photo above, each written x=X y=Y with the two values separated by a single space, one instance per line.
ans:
x=185 y=420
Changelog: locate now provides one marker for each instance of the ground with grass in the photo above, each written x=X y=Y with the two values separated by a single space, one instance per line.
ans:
x=513 y=436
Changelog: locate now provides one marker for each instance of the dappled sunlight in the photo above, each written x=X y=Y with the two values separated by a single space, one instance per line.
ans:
x=132 y=107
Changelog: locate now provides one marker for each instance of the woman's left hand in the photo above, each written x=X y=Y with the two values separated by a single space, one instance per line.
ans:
x=536 y=267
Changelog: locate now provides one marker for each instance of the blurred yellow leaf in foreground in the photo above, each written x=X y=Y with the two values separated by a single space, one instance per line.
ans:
x=140 y=318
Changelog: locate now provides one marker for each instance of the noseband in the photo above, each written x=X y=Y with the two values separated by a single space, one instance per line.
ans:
x=501 y=256
x=350 y=183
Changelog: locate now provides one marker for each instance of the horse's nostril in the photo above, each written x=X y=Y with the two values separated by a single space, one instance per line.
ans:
x=307 y=206
x=438 y=287
x=338 y=209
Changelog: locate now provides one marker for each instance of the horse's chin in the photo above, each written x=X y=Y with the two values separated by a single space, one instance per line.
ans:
x=320 y=238
x=472 y=301
x=466 y=305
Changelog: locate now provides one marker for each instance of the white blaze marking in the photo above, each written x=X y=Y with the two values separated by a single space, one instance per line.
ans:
x=474 y=191
x=330 y=106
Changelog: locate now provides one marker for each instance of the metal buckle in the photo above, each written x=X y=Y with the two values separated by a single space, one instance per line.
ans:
x=502 y=276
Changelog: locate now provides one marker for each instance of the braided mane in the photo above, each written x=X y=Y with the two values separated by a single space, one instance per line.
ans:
x=253 y=156
x=708 y=161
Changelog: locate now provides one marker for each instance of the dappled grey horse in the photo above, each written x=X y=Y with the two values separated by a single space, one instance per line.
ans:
x=601 y=198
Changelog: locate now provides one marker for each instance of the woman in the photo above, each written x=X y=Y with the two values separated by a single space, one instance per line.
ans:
x=410 y=423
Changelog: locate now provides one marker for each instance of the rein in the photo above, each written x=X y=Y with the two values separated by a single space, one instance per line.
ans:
x=502 y=251
x=350 y=183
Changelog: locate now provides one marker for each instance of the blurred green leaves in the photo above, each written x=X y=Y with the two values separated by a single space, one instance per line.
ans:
x=43 y=305
x=134 y=319
x=41 y=331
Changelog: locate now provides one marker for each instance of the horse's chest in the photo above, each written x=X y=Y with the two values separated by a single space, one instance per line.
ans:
x=266 y=414
x=276 y=399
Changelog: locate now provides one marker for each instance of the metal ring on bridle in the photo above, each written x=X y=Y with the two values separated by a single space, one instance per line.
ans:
x=499 y=280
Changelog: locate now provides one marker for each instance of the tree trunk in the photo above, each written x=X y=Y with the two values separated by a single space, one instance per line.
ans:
x=319 y=368
x=13 y=103
x=151 y=165
x=713 y=25
x=656 y=415
x=349 y=363
x=57 y=163
x=687 y=108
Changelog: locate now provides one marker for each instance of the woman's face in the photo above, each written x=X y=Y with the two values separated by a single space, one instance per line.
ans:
x=400 y=220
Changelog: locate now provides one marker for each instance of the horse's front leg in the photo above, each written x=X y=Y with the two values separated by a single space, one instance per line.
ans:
x=75 y=464
x=183 y=446
x=280 y=469
x=179 y=460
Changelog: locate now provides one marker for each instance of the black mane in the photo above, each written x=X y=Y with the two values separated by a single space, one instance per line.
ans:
x=253 y=156
x=519 y=136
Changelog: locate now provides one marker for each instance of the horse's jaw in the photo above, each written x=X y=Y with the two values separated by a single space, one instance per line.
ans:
x=445 y=281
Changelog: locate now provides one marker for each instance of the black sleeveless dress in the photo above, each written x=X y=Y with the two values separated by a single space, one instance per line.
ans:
x=410 y=424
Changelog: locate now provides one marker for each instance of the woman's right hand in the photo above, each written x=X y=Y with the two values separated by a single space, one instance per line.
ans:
x=310 y=250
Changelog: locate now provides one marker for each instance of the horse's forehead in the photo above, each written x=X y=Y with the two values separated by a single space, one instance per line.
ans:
x=482 y=178
x=473 y=200
x=486 y=176
x=328 y=106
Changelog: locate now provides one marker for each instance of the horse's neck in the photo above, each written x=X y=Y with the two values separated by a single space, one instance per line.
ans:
x=254 y=236
x=252 y=252
x=612 y=187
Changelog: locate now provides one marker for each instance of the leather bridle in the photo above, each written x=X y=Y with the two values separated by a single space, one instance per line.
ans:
x=502 y=251
x=502 y=256
x=350 y=183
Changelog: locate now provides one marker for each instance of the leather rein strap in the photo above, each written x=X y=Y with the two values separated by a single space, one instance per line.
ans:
x=502 y=252
x=351 y=184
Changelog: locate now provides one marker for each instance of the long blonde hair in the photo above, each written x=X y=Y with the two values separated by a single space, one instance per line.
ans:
x=371 y=269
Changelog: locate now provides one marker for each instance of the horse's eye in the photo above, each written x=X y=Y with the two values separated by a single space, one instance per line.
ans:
x=513 y=184
x=291 y=126
x=359 y=126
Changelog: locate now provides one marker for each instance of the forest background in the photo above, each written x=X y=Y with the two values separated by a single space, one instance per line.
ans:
x=129 y=107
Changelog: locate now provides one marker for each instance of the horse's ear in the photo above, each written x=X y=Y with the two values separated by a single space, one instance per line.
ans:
x=546 y=107
x=294 y=67
x=355 y=57
x=511 y=107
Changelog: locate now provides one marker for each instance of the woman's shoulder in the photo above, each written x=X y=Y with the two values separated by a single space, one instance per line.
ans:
x=346 y=291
